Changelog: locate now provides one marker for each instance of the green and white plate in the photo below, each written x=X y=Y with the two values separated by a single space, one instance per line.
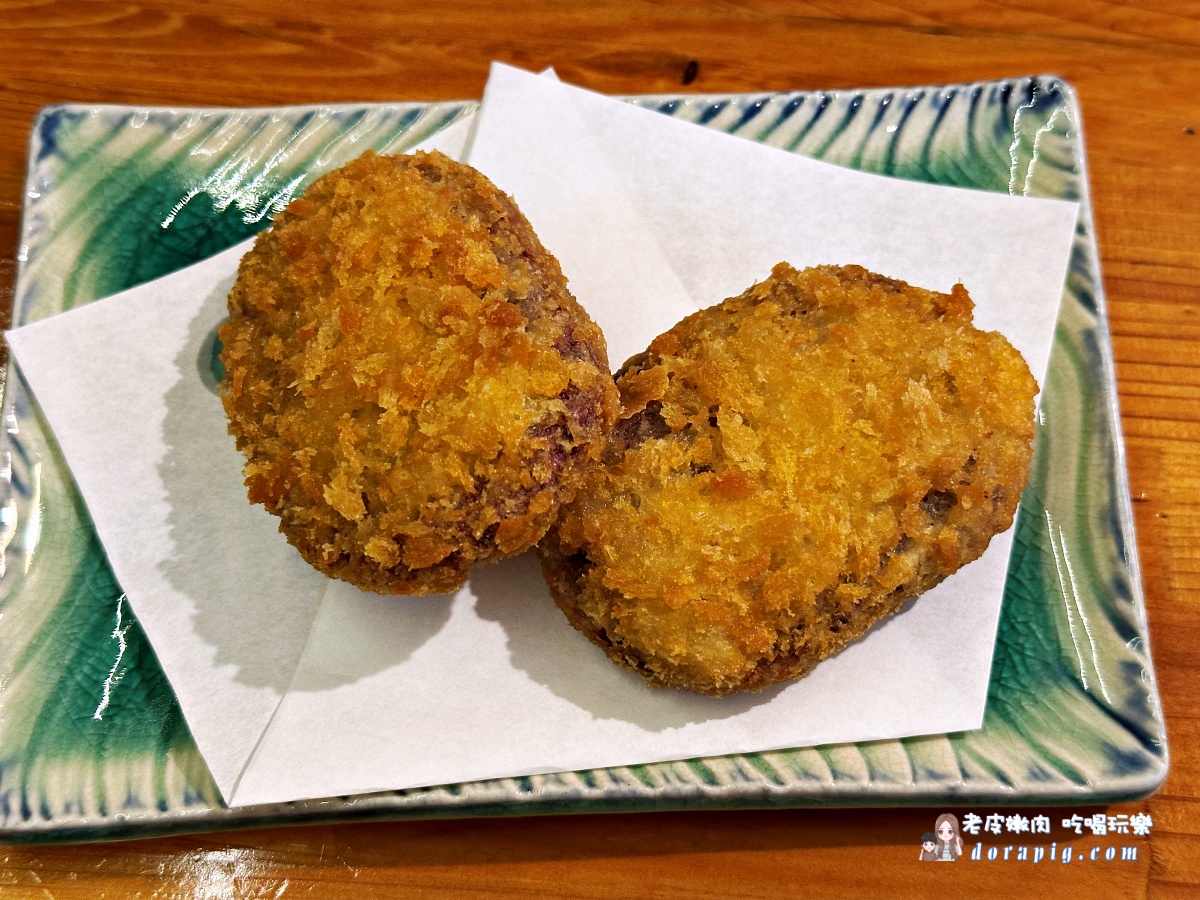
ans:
x=92 y=742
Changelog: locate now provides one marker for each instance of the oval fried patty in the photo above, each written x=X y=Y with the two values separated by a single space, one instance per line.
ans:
x=412 y=384
x=789 y=467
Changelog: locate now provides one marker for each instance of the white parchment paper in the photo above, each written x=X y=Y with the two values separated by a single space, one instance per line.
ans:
x=297 y=687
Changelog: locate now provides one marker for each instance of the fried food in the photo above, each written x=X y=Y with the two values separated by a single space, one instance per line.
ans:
x=789 y=467
x=414 y=387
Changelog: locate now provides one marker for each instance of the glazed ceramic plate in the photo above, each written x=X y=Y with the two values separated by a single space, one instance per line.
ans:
x=92 y=742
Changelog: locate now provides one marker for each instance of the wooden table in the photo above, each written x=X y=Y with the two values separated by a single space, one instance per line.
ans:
x=1136 y=66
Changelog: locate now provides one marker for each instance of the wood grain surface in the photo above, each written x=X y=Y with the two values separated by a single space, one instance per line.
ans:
x=1136 y=66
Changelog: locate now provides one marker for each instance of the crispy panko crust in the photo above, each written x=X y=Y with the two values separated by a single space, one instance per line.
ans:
x=413 y=386
x=789 y=467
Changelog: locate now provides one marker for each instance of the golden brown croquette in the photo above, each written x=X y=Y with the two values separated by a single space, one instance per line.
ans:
x=414 y=388
x=789 y=467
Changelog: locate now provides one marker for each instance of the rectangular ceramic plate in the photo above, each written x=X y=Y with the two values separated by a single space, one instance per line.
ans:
x=92 y=742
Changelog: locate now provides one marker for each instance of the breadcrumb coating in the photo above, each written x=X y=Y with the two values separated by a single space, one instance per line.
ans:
x=789 y=467
x=414 y=387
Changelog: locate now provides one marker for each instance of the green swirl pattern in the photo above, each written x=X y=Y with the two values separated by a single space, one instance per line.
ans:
x=92 y=742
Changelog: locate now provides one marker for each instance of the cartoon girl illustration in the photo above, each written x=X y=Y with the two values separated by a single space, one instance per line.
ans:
x=949 y=842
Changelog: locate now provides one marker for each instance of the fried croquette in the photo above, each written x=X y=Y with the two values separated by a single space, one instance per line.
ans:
x=788 y=468
x=413 y=386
